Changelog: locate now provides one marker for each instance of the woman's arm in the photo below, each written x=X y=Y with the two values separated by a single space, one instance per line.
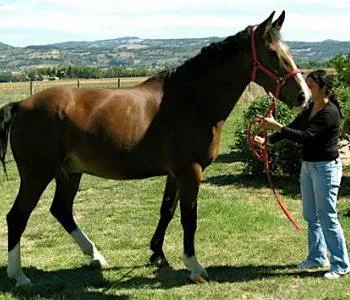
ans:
x=293 y=132
x=322 y=122
x=277 y=136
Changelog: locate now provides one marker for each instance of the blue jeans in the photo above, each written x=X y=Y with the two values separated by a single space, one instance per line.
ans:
x=319 y=184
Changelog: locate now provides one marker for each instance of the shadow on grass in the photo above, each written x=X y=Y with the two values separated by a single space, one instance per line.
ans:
x=225 y=158
x=169 y=278
x=87 y=283
x=227 y=274
x=285 y=185
x=78 y=283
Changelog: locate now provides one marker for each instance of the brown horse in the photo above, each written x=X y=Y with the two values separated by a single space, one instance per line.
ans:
x=168 y=125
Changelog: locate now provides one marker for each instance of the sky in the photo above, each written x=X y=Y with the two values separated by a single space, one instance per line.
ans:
x=38 y=22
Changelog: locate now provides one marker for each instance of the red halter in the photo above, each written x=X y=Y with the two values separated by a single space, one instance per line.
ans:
x=261 y=152
x=280 y=81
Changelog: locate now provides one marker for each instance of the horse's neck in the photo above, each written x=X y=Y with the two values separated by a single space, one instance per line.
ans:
x=216 y=96
x=222 y=105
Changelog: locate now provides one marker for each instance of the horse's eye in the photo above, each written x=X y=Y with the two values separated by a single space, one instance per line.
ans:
x=272 y=54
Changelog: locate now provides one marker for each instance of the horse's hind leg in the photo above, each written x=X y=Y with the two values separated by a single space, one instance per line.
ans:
x=62 y=210
x=167 y=211
x=32 y=185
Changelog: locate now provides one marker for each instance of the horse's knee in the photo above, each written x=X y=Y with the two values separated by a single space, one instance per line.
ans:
x=64 y=216
x=57 y=212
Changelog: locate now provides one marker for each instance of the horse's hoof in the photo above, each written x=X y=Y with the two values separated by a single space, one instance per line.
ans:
x=200 y=277
x=159 y=260
x=98 y=264
x=23 y=282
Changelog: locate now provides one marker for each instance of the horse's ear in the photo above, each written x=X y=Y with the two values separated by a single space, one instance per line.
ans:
x=279 y=22
x=264 y=27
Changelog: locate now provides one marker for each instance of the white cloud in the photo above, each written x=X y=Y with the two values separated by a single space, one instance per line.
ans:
x=316 y=27
x=24 y=22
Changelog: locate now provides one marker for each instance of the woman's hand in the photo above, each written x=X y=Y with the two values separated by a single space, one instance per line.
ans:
x=271 y=123
x=259 y=140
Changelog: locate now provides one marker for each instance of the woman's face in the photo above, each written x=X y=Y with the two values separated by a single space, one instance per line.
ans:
x=314 y=87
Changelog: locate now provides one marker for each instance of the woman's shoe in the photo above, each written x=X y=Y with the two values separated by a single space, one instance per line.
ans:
x=310 y=264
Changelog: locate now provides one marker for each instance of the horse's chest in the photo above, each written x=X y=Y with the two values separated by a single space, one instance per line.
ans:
x=212 y=150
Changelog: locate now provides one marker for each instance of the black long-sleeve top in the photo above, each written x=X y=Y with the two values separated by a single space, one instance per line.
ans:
x=319 y=135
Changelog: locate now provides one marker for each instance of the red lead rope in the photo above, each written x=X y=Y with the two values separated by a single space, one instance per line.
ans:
x=261 y=152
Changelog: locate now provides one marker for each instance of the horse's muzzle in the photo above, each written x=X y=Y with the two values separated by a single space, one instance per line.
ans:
x=302 y=100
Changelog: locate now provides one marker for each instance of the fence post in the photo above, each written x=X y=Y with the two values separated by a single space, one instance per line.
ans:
x=118 y=82
x=78 y=83
x=31 y=87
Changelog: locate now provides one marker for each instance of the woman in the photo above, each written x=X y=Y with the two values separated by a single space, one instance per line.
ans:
x=317 y=129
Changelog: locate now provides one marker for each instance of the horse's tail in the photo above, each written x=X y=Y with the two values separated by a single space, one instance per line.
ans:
x=6 y=115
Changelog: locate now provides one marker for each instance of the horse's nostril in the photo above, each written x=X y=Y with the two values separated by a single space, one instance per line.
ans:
x=301 y=98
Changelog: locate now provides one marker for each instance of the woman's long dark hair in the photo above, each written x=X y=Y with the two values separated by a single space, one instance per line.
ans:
x=323 y=79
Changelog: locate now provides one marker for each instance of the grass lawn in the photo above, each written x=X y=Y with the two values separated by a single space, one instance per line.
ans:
x=248 y=247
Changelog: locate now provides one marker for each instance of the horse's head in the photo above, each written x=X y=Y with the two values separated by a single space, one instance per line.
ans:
x=273 y=66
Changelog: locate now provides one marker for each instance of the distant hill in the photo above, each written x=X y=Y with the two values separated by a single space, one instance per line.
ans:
x=5 y=47
x=132 y=52
x=318 y=51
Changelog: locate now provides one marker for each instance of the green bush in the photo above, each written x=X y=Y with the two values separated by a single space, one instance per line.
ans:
x=285 y=156
x=341 y=63
x=343 y=93
x=341 y=80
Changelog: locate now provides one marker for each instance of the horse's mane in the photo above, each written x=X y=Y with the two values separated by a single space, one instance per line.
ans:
x=215 y=53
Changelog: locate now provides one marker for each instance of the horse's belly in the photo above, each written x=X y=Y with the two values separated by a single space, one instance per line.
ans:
x=113 y=167
x=128 y=175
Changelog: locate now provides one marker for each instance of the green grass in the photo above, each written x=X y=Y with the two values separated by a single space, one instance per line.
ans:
x=246 y=244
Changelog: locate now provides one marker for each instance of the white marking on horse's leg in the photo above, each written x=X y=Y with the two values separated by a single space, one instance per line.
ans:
x=89 y=248
x=14 y=267
x=198 y=273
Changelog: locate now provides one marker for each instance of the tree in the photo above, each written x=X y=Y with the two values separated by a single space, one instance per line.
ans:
x=342 y=83
x=341 y=63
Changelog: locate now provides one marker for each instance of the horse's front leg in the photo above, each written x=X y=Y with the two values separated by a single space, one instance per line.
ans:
x=188 y=190
x=169 y=204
